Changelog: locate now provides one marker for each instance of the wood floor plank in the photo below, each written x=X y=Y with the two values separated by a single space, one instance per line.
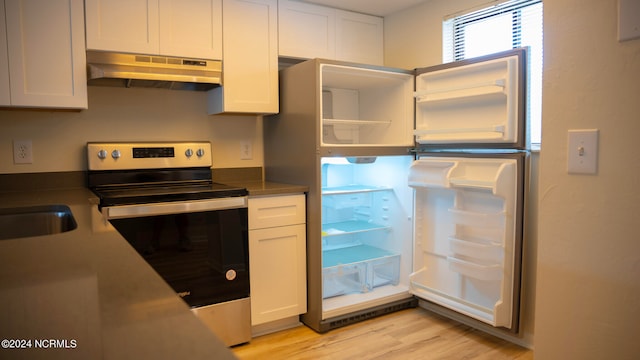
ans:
x=407 y=334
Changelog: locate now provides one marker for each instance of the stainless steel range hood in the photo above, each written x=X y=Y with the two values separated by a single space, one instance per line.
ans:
x=135 y=70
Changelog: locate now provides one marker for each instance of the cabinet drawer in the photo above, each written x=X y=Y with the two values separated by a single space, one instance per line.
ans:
x=273 y=211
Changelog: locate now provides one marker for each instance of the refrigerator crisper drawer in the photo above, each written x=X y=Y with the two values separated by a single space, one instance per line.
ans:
x=358 y=269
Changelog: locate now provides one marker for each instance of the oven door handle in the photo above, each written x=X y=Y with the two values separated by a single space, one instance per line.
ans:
x=176 y=207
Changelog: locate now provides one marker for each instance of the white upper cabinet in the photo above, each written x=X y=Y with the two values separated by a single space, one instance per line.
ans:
x=183 y=28
x=191 y=28
x=43 y=60
x=359 y=38
x=123 y=25
x=250 y=61
x=306 y=30
x=311 y=31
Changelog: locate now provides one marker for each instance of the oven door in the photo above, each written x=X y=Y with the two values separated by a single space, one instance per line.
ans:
x=200 y=247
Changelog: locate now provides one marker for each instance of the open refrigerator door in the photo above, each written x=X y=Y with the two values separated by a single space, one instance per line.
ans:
x=468 y=234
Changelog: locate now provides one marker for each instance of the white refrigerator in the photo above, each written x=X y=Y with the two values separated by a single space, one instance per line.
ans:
x=417 y=183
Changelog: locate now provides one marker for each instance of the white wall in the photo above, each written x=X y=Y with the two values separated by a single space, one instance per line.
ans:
x=121 y=114
x=413 y=38
x=588 y=297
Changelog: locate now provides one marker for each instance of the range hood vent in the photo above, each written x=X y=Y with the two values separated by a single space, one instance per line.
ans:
x=134 y=70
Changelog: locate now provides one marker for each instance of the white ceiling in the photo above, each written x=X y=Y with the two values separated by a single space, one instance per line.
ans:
x=372 y=7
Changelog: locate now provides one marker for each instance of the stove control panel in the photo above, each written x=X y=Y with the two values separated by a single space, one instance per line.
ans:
x=148 y=155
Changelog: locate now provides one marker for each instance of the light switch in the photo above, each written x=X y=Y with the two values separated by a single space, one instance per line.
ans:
x=582 y=157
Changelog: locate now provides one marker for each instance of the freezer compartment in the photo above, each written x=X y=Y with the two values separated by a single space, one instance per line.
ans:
x=358 y=268
x=479 y=101
x=365 y=106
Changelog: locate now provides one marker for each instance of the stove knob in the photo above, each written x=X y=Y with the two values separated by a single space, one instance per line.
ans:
x=200 y=152
x=115 y=154
x=189 y=153
x=102 y=154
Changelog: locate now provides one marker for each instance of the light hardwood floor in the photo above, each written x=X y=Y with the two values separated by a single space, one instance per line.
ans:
x=407 y=334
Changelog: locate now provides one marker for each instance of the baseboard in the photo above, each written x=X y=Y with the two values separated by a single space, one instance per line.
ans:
x=275 y=326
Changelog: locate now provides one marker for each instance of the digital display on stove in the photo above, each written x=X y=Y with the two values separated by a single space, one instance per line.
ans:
x=153 y=152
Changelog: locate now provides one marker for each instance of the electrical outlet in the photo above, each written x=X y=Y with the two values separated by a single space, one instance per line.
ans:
x=22 y=152
x=246 y=150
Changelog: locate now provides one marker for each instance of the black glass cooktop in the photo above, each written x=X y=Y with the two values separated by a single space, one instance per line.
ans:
x=154 y=193
x=158 y=185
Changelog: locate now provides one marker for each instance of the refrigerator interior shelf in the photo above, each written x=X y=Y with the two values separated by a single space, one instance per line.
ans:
x=351 y=189
x=488 y=272
x=353 y=254
x=350 y=227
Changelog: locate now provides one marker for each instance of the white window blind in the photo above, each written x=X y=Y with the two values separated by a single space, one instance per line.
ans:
x=498 y=27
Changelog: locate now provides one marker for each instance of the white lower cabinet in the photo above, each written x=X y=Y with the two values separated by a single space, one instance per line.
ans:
x=277 y=258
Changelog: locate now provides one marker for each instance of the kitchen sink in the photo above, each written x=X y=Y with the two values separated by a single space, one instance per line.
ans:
x=28 y=221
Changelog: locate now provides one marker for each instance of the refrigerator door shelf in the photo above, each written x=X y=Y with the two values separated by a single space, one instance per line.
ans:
x=497 y=315
x=431 y=173
x=488 y=272
x=495 y=175
x=470 y=135
x=479 y=219
x=482 y=251
x=468 y=92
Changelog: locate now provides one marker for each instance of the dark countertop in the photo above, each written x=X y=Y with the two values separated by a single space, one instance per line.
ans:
x=88 y=290
x=252 y=179
x=265 y=188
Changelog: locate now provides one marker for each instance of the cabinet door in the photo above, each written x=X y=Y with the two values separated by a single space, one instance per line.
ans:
x=359 y=38
x=250 y=55
x=191 y=28
x=5 y=92
x=306 y=30
x=47 y=64
x=277 y=273
x=123 y=25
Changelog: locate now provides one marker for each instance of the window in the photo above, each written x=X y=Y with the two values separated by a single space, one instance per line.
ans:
x=506 y=25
